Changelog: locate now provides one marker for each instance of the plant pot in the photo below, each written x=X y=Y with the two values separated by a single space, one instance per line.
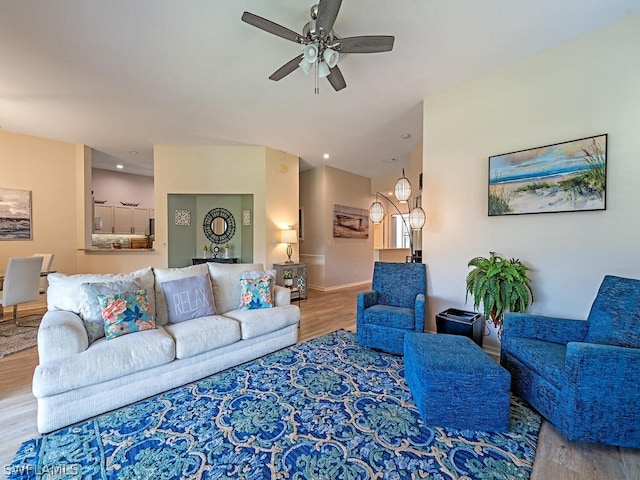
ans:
x=288 y=282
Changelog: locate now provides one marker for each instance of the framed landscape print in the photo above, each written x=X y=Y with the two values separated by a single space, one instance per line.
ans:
x=15 y=214
x=350 y=222
x=563 y=177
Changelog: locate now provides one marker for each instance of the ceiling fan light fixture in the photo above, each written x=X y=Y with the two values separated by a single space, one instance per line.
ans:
x=323 y=69
x=331 y=57
x=305 y=65
x=310 y=52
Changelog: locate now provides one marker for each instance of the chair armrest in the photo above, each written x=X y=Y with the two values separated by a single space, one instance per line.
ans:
x=418 y=312
x=365 y=300
x=605 y=375
x=61 y=334
x=281 y=296
x=550 y=329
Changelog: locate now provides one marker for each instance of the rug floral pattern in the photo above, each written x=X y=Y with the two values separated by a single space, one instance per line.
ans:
x=324 y=409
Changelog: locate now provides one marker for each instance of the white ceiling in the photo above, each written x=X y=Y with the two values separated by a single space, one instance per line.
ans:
x=123 y=75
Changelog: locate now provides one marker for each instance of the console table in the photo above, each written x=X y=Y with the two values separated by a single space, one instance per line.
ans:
x=196 y=261
x=299 y=271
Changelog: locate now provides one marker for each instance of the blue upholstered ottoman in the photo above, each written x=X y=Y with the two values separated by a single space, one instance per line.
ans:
x=455 y=383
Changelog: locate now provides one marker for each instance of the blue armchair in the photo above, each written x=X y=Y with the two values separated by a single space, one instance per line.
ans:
x=393 y=307
x=582 y=376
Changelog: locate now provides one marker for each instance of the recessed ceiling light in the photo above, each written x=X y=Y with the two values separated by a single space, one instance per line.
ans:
x=326 y=156
x=405 y=136
x=120 y=166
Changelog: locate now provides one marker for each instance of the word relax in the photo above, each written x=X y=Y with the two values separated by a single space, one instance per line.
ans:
x=190 y=301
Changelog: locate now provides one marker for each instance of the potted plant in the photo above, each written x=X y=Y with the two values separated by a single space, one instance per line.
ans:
x=287 y=275
x=501 y=285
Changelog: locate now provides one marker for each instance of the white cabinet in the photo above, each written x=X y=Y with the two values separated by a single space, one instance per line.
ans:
x=128 y=220
x=103 y=218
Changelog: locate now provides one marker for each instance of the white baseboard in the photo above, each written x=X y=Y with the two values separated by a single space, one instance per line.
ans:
x=339 y=287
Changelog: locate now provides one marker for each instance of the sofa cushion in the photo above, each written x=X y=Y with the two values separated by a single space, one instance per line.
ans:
x=614 y=318
x=203 y=334
x=225 y=278
x=104 y=360
x=256 y=293
x=63 y=292
x=126 y=312
x=188 y=298
x=91 y=310
x=165 y=275
x=254 y=323
x=547 y=359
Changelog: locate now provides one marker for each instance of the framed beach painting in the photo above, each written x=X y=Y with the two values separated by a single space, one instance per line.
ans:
x=563 y=177
x=15 y=214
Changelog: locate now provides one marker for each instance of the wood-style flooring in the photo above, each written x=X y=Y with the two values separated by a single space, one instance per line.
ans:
x=323 y=312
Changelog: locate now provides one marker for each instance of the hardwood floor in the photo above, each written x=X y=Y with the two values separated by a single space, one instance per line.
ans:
x=323 y=312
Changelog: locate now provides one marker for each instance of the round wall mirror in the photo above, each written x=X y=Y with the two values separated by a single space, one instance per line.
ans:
x=219 y=225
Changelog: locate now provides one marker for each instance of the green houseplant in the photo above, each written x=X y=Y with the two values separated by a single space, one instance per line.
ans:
x=287 y=275
x=500 y=284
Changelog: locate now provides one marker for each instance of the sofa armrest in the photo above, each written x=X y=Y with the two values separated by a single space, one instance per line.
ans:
x=418 y=312
x=61 y=334
x=550 y=329
x=282 y=296
x=604 y=375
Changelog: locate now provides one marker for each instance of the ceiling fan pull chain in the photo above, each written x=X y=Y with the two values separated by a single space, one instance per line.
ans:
x=317 y=75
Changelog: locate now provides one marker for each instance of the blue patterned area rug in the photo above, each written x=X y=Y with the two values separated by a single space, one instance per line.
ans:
x=324 y=409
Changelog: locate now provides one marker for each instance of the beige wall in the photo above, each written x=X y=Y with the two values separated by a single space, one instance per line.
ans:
x=231 y=170
x=47 y=169
x=334 y=262
x=586 y=87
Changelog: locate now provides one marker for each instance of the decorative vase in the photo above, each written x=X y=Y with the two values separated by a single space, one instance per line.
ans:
x=288 y=282
x=227 y=252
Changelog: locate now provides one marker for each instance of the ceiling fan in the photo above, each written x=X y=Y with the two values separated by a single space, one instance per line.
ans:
x=322 y=48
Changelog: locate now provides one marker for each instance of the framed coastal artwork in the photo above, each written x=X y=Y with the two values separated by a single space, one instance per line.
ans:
x=350 y=222
x=563 y=177
x=15 y=214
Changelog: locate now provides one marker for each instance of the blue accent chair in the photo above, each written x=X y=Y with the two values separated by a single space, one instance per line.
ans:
x=582 y=376
x=393 y=307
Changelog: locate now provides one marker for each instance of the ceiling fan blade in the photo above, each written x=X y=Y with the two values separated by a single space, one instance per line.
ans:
x=336 y=79
x=327 y=13
x=269 y=26
x=286 y=69
x=364 y=44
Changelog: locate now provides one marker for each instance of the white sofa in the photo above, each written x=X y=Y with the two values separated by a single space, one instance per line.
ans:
x=76 y=379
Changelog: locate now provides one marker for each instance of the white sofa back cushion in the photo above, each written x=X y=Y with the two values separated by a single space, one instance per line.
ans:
x=64 y=290
x=167 y=274
x=226 y=283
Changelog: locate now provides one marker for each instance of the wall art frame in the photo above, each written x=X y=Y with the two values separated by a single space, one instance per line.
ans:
x=350 y=222
x=15 y=214
x=561 y=177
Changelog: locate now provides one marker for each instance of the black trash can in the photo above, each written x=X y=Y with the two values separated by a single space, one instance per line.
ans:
x=460 y=322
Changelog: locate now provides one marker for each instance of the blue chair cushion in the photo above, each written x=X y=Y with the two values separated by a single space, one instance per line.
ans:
x=388 y=316
x=545 y=358
x=614 y=318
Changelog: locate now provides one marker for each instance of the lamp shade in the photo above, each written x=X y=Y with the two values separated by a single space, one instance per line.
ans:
x=323 y=69
x=289 y=236
x=331 y=57
x=403 y=189
x=376 y=212
x=417 y=218
x=310 y=52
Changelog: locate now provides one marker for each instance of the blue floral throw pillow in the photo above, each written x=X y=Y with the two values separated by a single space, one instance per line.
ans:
x=126 y=312
x=256 y=293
